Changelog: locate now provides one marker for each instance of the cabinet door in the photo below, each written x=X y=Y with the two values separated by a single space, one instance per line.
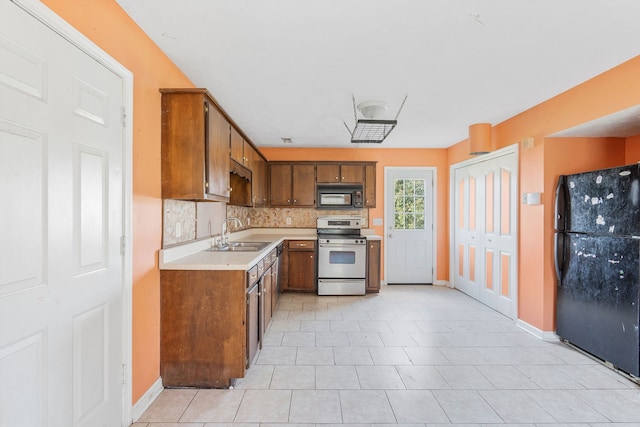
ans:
x=373 y=266
x=183 y=146
x=217 y=179
x=253 y=337
x=259 y=180
x=275 y=291
x=370 y=186
x=328 y=173
x=303 y=185
x=236 y=149
x=248 y=155
x=266 y=298
x=352 y=173
x=302 y=271
x=280 y=185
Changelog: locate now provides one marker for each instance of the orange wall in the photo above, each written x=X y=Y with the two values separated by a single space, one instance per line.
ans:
x=632 y=149
x=389 y=157
x=610 y=92
x=106 y=24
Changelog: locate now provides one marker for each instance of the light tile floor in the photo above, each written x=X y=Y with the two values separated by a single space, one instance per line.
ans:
x=412 y=356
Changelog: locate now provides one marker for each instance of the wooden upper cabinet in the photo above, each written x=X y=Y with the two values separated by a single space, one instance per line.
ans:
x=352 y=173
x=292 y=184
x=280 y=184
x=240 y=149
x=236 y=149
x=370 y=185
x=336 y=172
x=328 y=172
x=218 y=181
x=249 y=154
x=195 y=147
x=303 y=185
x=259 y=180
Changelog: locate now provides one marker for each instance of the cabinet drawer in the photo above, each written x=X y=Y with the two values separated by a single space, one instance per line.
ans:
x=302 y=244
x=260 y=266
x=252 y=276
x=270 y=259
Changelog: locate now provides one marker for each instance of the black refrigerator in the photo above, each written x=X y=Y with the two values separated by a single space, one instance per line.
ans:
x=597 y=260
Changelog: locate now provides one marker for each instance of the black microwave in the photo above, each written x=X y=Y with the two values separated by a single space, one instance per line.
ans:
x=340 y=196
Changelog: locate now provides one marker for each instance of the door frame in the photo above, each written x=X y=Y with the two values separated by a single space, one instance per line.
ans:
x=45 y=15
x=434 y=211
x=511 y=149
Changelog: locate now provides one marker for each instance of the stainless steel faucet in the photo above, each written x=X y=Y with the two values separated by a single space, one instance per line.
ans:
x=224 y=231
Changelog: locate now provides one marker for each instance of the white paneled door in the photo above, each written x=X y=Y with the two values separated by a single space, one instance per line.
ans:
x=485 y=200
x=61 y=268
x=409 y=225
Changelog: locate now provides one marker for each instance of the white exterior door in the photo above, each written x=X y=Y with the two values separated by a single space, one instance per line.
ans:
x=61 y=268
x=484 y=250
x=409 y=239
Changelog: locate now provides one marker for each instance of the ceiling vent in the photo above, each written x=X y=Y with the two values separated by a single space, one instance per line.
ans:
x=372 y=129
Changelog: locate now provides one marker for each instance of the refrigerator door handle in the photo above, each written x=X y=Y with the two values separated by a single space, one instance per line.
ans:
x=561 y=203
x=558 y=256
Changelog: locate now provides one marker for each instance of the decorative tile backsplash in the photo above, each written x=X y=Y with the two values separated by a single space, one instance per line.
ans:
x=297 y=217
x=178 y=221
x=184 y=221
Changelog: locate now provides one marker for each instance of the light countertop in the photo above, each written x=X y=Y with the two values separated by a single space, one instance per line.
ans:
x=194 y=255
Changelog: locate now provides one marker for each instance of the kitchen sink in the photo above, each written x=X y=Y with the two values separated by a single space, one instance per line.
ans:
x=240 y=247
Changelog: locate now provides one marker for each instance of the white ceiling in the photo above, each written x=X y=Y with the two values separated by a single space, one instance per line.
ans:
x=289 y=68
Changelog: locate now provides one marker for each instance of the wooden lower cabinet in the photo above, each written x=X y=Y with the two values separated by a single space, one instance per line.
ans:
x=373 y=266
x=253 y=323
x=267 y=290
x=300 y=266
x=203 y=327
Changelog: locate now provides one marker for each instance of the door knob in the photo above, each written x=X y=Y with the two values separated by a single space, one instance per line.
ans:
x=390 y=235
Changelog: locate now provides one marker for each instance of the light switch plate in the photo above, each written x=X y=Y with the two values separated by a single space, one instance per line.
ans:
x=377 y=221
x=531 y=198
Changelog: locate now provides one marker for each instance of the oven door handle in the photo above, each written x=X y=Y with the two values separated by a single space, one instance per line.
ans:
x=339 y=245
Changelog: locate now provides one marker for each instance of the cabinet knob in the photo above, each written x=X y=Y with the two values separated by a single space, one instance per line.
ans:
x=337 y=178
x=206 y=185
x=311 y=256
x=343 y=178
x=295 y=201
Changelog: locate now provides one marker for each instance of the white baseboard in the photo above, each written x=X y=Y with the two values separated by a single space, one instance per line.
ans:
x=538 y=333
x=146 y=400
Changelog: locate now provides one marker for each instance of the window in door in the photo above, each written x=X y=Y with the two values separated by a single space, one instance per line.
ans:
x=409 y=204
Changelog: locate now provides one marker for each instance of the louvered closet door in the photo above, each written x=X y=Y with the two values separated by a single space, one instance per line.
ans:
x=61 y=277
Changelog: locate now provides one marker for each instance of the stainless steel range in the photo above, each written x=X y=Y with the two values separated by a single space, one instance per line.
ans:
x=342 y=255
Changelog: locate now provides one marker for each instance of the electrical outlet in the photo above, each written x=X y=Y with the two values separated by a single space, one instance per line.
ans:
x=288 y=220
